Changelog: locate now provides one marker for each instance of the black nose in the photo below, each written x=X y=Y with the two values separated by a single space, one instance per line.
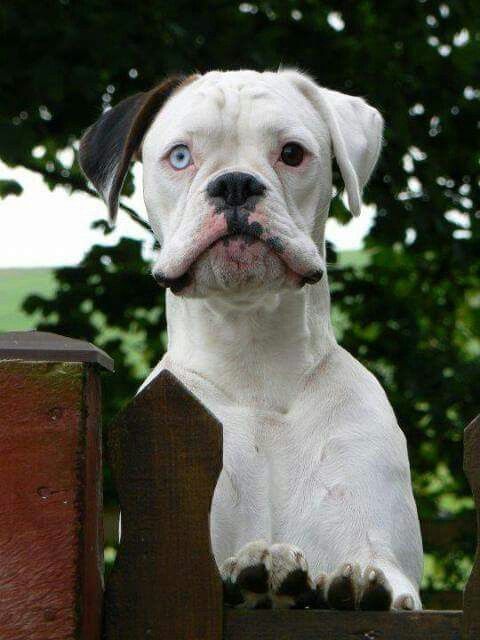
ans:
x=235 y=188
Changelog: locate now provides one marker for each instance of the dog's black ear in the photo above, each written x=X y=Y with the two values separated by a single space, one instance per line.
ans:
x=108 y=146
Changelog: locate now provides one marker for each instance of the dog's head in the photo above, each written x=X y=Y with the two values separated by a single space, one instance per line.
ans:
x=237 y=171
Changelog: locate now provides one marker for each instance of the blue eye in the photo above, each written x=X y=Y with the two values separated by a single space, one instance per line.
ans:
x=180 y=157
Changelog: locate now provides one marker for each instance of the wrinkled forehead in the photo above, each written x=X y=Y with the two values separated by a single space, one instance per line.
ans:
x=241 y=101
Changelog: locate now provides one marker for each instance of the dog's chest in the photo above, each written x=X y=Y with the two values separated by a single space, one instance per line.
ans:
x=273 y=449
x=276 y=463
x=273 y=468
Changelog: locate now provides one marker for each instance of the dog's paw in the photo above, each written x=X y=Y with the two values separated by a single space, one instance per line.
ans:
x=264 y=576
x=349 y=588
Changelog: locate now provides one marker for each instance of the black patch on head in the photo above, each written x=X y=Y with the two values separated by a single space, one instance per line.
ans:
x=237 y=220
x=102 y=144
x=275 y=243
x=238 y=223
x=254 y=579
x=255 y=229
x=108 y=146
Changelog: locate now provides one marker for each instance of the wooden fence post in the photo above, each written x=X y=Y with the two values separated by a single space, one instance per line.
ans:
x=51 y=555
x=471 y=596
x=165 y=451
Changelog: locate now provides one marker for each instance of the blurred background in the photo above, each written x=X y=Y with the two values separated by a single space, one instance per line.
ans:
x=405 y=276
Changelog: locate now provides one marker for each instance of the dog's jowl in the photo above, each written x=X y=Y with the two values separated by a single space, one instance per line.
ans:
x=314 y=506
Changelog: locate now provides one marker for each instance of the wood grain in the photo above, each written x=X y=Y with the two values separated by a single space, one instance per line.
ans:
x=471 y=596
x=90 y=498
x=165 y=450
x=50 y=546
x=342 y=625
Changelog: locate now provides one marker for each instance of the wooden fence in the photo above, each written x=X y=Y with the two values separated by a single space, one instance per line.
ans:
x=165 y=451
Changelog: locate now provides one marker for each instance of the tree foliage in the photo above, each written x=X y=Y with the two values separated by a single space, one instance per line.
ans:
x=412 y=314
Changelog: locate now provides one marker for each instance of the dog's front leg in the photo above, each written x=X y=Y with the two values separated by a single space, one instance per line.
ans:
x=364 y=543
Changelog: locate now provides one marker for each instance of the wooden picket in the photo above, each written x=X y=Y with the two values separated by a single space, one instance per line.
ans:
x=166 y=454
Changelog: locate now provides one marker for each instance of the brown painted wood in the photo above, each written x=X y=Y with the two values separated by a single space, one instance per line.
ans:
x=166 y=453
x=284 y=624
x=50 y=544
x=91 y=506
x=471 y=596
x=444 y=600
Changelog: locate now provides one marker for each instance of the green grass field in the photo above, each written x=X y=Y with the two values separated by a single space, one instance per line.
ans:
x=17 y=284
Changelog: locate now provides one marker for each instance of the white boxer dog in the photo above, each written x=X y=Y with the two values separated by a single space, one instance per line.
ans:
x=237 y=172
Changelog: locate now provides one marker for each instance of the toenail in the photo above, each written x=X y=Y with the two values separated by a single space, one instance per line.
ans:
x=347 y=571
x=372 y=576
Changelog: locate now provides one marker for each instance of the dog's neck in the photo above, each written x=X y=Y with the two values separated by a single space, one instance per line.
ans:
x=260 y=351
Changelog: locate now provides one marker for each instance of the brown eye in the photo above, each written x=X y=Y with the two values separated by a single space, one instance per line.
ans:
x=292 y=154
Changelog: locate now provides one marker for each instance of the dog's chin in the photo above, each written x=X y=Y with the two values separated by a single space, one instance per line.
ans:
x=238 y=265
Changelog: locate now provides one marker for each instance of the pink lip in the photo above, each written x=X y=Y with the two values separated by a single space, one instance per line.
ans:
x=181 y=282
x=298 y=253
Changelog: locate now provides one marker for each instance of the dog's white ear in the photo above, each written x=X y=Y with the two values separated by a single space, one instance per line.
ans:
x=356 y=132
x=108 y=146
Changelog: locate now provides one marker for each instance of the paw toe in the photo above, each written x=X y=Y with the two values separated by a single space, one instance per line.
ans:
x=246 y=576
x=376 y=591
x=404 y=603
x=290 y=583
x=232 y=596
x=253 y=578
x=342 y=592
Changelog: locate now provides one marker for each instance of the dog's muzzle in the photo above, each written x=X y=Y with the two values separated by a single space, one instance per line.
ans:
x=233 y=212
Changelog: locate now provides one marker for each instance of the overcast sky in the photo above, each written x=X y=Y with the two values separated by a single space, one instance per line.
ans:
x=43 y=228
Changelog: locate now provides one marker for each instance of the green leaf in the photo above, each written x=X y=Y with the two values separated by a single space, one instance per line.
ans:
x=10 y=188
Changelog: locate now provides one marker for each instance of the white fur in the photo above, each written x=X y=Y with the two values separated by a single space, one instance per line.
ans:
x=313 y=455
